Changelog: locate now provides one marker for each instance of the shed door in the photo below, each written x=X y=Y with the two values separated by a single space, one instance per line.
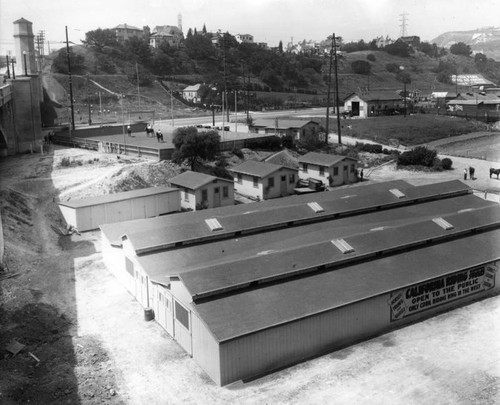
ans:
x=216 y=197
x=345 y=174
x=355 y=108
x=283 y=189
x=164 y=311
x=182 y=326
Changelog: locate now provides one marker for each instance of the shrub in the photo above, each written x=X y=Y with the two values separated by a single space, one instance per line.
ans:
x=447 y=163
x=65 y=162
x=369 y=147
x=418 y=156
x=371 y=57
x=361 y=67
x=392 y=67
x=237 y=152
x=271 y=143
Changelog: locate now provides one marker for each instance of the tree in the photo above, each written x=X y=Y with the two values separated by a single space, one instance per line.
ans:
x=460 y=48
x=60 y=63
x=100 y=38
x=280 y=47
x=361 y=67
x=398 y=48
x=193 y=146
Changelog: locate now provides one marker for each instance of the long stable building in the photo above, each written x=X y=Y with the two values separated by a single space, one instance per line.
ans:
x=253 y=288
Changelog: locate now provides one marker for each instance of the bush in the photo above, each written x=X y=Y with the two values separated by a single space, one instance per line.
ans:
x=237 y=152
x=65 y=162
x=270 y=143
x=361 y=67
x=392 y=67
x=447 y=163
x=369 y=147
x=371 y=57
x=418 y=156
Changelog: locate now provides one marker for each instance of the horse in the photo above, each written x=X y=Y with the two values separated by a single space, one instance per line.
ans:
x=494 y=171
x=159 y=136
x=149 y=130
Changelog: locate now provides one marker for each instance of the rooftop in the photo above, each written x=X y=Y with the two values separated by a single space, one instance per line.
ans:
x=254 y=168
x=323 y=159
x=195 y=180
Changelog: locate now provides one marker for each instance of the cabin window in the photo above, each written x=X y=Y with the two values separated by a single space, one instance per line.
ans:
x=204 y=195
x=352 y=168
x=335 y=171
x=240 y=178
x=186 y=194
x=225 y=192
x=270 y=182
x=292 y=178
x=321 y=170
x=182 y=315
x=255 y=182
x=304 y=167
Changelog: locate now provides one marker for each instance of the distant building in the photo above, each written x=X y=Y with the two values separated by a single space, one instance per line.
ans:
x=200 y=190
x=382 y=42
x=262 y=181
x=373 y=103
x=412 y=41
x=282 y=127
x=331 y=170
x=244 y=38
x=125 y=31
x=192 y=93
x=166 y=33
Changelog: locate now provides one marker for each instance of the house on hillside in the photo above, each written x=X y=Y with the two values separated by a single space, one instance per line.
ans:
x=200 y=190
x=244 y=38
x=192 y=93
x=125 y=31
x=373 y=103
x=262 y=181
x=298 y=129
x=165 y=33
x=331 y=170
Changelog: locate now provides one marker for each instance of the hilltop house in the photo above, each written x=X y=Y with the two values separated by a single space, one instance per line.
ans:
x=168 y=33
x=244 y=38
x=200 y=190
x=331 y=170
x=372 y=103
x=125 y=31
x=262 y=181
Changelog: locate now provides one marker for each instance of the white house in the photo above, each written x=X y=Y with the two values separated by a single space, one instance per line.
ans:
x=332 y=170
x=373 y=103
x=244 y=38
x=262 y=180
x=192 y=93
x=165 y=33
x=200 y=190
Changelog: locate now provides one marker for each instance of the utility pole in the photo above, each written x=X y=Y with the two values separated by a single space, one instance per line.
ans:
x=138 y=92
x=70 y=85
x=8 y=68
x=337 y=88
x=328 y=94
x=88 y=99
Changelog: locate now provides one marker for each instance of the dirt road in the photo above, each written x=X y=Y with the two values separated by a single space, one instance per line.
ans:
x=94 y=346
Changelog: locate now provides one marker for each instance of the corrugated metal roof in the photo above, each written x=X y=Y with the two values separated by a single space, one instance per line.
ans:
x=254 y=168
x=255 y=218
x=114 y=231
x=195 y=180
x=110 y=198
x=252 y=310
x=269 y=266
x=323 y=159
x=162 y=265
x=379 y=96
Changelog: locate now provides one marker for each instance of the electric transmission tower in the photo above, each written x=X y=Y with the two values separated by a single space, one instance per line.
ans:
x=403 y=23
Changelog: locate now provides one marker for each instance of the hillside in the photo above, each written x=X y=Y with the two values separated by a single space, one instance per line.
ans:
x=484 y=40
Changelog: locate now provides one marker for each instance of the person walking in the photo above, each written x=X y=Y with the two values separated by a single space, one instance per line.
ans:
x=465 y=174
x=129 y=130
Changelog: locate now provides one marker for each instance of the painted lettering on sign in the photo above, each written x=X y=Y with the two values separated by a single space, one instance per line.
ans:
x=423 y=296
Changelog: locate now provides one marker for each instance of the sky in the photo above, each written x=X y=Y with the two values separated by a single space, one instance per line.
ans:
x=268 y=21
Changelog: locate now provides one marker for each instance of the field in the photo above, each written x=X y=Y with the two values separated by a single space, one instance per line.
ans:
x=410 y=130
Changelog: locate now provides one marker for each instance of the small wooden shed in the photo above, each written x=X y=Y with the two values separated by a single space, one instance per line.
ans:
x=89 y=213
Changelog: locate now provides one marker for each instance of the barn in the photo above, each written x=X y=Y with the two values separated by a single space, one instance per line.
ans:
x=86 y=214
x=250 y=289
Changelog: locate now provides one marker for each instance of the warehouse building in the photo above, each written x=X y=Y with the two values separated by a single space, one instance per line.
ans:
x=86 y=214
x=250 y=289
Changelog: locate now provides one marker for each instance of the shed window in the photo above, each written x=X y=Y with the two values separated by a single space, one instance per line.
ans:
x=352 y=168
x=292 y=178
x=225 y=192
x=204 y=195
x=335 y=171
x=182 y=315
x=186 y=194
x=321 y=170
x=255 y=181
x=304 y=167
x=240 y=178
x=270 y=182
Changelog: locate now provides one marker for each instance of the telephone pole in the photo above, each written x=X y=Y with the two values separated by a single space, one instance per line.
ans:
x=70 y=85
x=337 y=87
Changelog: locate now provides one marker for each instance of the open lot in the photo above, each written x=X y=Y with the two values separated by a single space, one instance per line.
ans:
x=94 y=346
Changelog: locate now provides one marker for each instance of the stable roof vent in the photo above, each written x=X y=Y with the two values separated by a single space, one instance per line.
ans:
x=443 y=223
x=397 y=193
x=316 y=207
x=342 y=245
x=213 y=224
